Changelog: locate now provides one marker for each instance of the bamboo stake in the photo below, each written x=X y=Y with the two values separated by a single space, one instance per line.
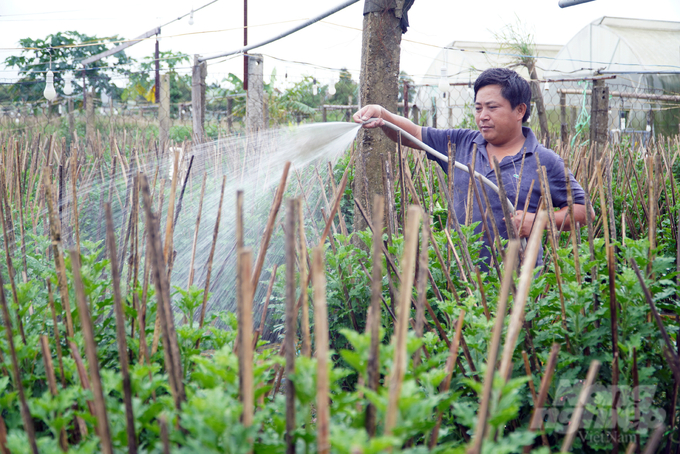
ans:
x=198 y=223
x=57 y=341
x=120 y=333
x=575 y=422
x=91 y=351
x=245 y=311
x=511 y=259
x=399 y=364
x=267 y=297
x=572 y=222
x=321 y=334
x=526 y=276
x=302 y=241
x=23 y=404
x=211 y=256
x=291 y=315
x=164 y=311
x=11 y=272
x=373 y=371
x=167 y=250
x=165 y=439
x=421 y=288
x=450 y=367
x=52 y=384
x=537 y=416
x=55 y=231
x=74 y=177
x=3 y=437
x=654 y=440
x=269 y=229
x=534 y=396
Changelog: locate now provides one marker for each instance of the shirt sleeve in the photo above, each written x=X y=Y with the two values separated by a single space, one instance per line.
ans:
x=439 y=140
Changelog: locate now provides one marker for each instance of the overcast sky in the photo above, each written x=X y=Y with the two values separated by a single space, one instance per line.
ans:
x=333 y=43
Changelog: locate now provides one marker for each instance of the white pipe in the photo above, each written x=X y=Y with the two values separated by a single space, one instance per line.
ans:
x=282 y=35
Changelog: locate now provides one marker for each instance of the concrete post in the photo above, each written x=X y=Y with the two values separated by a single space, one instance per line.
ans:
x=255 y=94
x=164 y=111
x=599 y=116
x=198 y=74
x=564 y=125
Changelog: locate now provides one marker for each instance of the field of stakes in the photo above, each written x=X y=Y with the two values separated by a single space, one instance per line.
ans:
x=388 y=339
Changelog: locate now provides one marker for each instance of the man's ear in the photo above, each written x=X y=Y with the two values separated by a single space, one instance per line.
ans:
x=521 y=110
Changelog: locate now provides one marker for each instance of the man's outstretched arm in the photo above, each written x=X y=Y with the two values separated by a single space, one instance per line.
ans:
x=379 y=112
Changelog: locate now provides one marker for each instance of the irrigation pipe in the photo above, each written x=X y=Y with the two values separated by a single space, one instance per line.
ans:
x=311 y=21
x=444 y=158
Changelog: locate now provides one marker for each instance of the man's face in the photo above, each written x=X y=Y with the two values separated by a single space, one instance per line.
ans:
x=496 y=120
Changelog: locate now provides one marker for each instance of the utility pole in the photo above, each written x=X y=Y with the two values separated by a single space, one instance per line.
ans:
x=381 y=45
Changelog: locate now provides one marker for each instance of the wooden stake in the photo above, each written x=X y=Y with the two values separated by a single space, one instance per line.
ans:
x=373 y=367
x=525 y=279
x=245 y=311
x=321 y=335
x=195 y=242
x=91 y=351
x=537 y=416
x=291 y=316
x=52 y=384
x=269 y=229
x=211 y=256
x=23 y=404
x=120 y=332
x=511 y=260
x=302 y=241
x=408 y=263
x=575 y=422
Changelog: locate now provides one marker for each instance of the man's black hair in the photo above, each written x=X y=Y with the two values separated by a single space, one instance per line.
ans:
x=514 y=87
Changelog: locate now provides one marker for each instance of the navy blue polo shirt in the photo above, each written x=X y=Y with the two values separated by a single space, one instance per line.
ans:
x=510 y=171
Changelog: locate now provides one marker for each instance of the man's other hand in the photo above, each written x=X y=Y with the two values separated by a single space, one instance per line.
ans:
x=523 y=228
x=368 y=112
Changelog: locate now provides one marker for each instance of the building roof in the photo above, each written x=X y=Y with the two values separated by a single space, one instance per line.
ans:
x=620 y=44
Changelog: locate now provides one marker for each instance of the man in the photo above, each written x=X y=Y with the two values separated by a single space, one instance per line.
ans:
x=502 y=104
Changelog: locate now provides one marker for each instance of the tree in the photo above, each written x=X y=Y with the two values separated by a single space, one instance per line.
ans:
x=62 y=52
x=141 y=83
x=346 y=90
x=519 y=41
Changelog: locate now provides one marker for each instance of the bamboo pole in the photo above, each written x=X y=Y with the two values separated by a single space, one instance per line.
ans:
x=55 y=233
x=291 y=315
x=302 y=241
x=373 y=367
x=57 y=337
x=399 y=365
x=511 y=260
x=120 y=333
x=23 y=404
x=575 y=422
x=52 y=384
x=195 y=242
x=321 y=335
x=211 y=257
x=11 y=272
x=164 y=309
x=534 y=396
x=537 y=415
x=450 y=367
x=526 y=276
x=269 y=229
x=91 y=351
x=245 y=356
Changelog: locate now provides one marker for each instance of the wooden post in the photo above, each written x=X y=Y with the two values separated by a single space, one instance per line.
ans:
x=71 y=122
x=164 y=111
x=255 y=94
x=89 y=116
x=599 y=116
x=405 y=99
x=564 y=127
x=324 y=114
x=416 y=114
x=198 y=74
x=230 y=108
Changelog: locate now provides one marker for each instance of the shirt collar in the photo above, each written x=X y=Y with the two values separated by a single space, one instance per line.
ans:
x=531 y=142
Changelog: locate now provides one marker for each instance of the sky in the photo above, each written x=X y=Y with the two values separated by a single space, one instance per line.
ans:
x=319 y=50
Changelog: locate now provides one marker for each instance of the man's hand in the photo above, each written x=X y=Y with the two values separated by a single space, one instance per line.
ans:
x=368 y=112
x=523 y=228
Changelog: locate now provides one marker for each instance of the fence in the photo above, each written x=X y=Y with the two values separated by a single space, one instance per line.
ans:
x=634 y=112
